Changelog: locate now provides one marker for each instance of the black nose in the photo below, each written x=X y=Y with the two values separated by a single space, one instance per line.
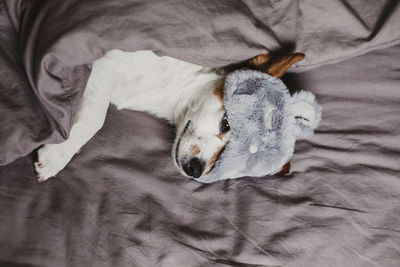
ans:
x=194 y=168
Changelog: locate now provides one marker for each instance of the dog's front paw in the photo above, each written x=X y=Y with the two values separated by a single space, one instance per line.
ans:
x=51 y=160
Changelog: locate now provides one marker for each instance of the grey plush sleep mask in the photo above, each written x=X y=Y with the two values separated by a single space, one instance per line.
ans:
x=265 y=121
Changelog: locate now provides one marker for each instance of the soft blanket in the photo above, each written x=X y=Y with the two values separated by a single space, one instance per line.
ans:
x=121 y=201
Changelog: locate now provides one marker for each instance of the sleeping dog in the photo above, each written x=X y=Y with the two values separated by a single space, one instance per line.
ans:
x=187 y=95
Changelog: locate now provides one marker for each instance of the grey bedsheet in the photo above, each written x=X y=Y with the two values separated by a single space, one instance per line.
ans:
x=121 y=202
x=47 y=46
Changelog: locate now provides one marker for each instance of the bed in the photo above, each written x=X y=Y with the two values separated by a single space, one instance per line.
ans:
x=121 y=201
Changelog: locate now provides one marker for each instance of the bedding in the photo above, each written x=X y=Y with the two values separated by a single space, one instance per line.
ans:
x=121 y=201
x=49 y=45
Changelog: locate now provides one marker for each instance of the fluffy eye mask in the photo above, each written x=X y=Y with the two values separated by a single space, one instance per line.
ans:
x=265 y=121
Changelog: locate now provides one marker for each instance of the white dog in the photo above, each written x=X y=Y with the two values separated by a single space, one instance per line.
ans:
x=187 y=95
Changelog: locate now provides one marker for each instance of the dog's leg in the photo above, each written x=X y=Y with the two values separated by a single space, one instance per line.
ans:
x=90 y=118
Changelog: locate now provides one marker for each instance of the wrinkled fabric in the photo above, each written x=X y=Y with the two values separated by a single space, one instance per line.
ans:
x=121 y=201
x=47 y=46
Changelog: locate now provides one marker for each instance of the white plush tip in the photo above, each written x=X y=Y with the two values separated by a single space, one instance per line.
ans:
x=253 y=148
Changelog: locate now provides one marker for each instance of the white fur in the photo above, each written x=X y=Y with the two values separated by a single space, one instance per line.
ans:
x=166 y=87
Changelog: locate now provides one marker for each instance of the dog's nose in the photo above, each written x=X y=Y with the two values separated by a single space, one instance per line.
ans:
x=194 y=168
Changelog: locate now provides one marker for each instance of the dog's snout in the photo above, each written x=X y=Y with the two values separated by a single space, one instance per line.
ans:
x=194 y=168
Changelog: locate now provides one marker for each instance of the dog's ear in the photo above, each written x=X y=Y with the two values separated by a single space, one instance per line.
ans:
x=274 y=66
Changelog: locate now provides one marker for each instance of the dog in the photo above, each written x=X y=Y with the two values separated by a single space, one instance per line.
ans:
x=186 y=95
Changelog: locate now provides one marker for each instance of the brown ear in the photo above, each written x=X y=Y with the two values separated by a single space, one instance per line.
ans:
x=285 y=169
x=274 y=66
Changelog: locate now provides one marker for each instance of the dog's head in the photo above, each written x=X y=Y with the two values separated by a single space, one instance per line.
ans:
x=205 y=131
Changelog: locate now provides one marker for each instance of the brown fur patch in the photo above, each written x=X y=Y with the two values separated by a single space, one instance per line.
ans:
x=285 y=169
x=195 y=149
x=219 y=92
x=259 y=61
x=220 y=136
x=274 y=66
x=214 y=158
x=279 y=66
